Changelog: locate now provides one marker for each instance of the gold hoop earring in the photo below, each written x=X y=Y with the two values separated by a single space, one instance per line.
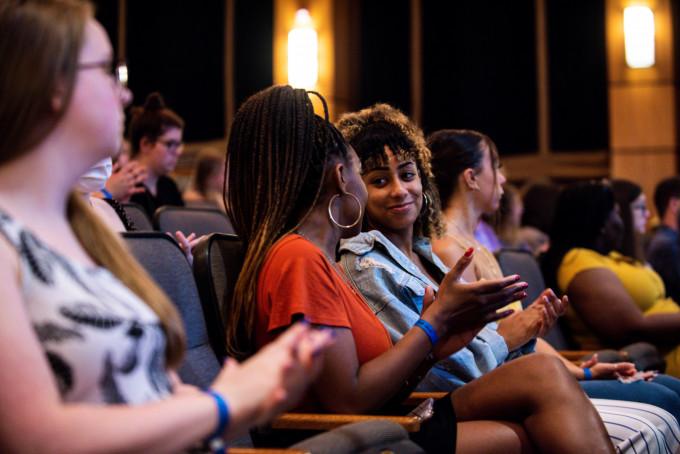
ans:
x=330 y=211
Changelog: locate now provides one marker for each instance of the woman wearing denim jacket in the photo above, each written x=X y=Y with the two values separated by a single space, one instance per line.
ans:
x=394 y=282
x=395 y=288
x=397 y=272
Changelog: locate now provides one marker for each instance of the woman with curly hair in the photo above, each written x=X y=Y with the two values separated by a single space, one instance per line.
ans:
x=295 y=191
x=392 y=261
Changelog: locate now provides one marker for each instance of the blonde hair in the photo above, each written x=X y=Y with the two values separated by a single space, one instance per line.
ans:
x=40 y=42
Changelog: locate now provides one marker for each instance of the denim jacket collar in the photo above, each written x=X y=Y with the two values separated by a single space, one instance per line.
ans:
x=365 y=242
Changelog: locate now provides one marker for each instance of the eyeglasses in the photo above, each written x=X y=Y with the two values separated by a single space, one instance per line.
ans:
x=641 y=208
x=119 y=71
x=171 y=144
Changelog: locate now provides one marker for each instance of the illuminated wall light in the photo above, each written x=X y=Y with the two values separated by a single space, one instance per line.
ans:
x=303 y=52
x=638 y=31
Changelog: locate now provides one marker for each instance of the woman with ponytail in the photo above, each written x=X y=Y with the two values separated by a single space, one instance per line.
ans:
x=156 y=140
x=89 y=343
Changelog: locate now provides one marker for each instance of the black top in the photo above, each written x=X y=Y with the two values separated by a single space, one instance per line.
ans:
x=167 y=193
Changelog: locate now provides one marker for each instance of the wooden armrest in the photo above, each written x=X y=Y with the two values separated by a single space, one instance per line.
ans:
x=575 y=355
x=417 y=397
x=265 y=451
x=317 y=421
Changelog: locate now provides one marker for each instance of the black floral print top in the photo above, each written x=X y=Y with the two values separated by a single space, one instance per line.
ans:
x=103 y=343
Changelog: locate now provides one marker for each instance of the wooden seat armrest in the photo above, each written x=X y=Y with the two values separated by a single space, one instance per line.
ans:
x=318 y=421
x=265 y=451
x=417 y=397
x=575 y=355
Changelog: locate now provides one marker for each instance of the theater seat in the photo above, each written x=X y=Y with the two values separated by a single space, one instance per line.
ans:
x=200 y=221
x=162 y=258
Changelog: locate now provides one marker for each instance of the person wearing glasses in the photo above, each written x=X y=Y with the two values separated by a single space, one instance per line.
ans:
x=90 y=344
x=156 y=140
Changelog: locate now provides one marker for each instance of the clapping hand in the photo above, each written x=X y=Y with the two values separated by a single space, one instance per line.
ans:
x=534 y=321
x=613 y=370
x=462 y=309
x=125 y=180
x=275 y=378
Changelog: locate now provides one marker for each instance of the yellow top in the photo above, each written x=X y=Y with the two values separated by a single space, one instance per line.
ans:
x=641 y=282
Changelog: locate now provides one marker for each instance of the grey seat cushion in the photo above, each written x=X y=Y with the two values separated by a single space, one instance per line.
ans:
x=363 y=437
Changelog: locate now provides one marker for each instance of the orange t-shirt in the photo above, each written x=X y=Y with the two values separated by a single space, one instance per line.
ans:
x=298 y=280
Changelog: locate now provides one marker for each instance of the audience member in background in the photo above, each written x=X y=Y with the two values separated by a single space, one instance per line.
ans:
x=207 y=185
x=89 y=343
x=92 y=182
x=539 y=206
x=663 y=249
x=462 y=163
x=509 y=218
x=486 y=235
x=509 y=225
x=156 y=140
x=615 y=299
x=295 y=191
x=634 y=213
x=125 y=181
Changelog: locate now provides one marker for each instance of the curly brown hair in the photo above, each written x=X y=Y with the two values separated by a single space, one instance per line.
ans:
x=370 y=130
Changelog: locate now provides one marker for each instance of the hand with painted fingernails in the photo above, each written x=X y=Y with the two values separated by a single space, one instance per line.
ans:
x=460 y=307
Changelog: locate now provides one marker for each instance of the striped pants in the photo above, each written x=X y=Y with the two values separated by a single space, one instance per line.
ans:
x=638 y=428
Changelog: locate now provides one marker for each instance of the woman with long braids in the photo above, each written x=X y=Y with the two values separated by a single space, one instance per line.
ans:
x=295 y=191
x=89 y=343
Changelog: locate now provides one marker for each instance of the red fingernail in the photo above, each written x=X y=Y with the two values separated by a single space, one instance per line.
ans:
x=469 y=252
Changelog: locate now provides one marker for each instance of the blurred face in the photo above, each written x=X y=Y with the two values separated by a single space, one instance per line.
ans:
x=490 y=182
x=517 y=209
x=164 y=153
x=350 y=210
x=95 y=114
x=640 y=213
x=395 y=195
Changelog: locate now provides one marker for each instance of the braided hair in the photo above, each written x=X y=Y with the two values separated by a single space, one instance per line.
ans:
x=277 y=155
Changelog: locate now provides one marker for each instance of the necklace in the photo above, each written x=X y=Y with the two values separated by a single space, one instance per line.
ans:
x=486 y=265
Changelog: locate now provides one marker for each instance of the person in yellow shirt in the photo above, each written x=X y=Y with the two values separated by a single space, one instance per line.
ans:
x=615 y=300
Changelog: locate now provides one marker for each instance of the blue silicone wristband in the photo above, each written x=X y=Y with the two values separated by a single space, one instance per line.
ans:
x=428 y=330
x=215 y=441
x=587 y=373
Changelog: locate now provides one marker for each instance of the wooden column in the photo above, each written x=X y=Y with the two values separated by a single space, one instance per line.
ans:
x=642 y=118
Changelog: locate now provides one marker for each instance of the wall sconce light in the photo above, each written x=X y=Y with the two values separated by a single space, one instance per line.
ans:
x=303 y=52
x=638 y=31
